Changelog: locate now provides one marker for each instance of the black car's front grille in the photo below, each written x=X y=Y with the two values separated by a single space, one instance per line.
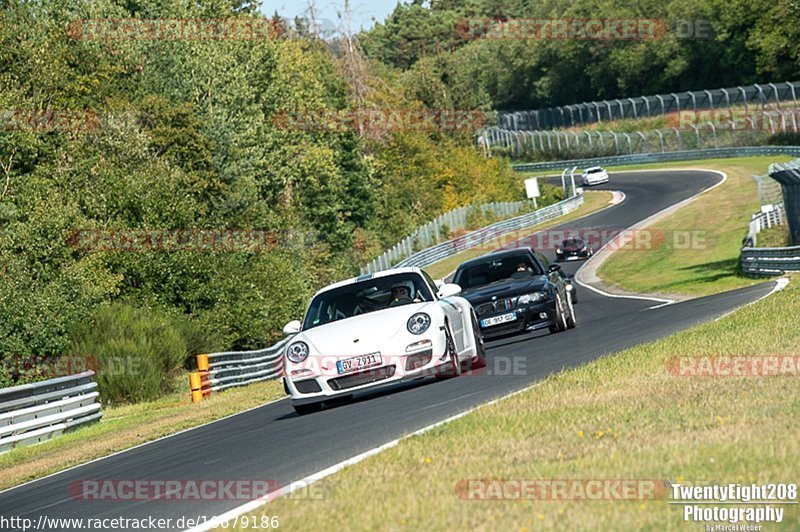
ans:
x=504 y=304
x=486 y=308
x=497 y=306
x=364 y=377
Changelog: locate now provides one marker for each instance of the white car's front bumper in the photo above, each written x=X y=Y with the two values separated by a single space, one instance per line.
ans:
x=324 y=383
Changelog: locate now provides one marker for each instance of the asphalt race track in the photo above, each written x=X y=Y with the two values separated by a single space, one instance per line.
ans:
x=271 y=442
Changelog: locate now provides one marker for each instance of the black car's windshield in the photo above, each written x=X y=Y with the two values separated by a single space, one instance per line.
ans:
x=497 y=269
x=366 y=296
x=572 y=243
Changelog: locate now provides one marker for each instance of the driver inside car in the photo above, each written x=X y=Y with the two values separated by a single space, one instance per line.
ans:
x=401 y=295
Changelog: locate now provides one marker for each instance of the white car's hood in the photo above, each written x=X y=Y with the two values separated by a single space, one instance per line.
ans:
x=364 y=333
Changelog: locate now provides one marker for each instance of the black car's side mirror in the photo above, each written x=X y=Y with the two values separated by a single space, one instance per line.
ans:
x=554 y=268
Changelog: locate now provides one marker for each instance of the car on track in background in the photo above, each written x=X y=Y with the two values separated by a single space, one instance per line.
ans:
x=574 y=248
x=594 y=176
x=378 y=329
x=516 y=290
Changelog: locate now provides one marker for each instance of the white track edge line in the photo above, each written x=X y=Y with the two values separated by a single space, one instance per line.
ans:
x=314 y=477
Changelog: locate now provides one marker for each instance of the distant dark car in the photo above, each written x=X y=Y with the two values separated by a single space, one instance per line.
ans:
x=573 y=249
x=514 y=291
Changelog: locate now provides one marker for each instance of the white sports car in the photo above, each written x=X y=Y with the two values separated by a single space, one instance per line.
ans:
x=594 y=176
x=378 y=329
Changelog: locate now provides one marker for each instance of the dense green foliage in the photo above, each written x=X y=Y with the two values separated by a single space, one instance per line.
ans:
x=186 y=137
x=706 y=44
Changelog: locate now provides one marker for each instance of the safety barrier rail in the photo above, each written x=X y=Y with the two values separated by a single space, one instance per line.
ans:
x=433 y=231
x=219 y=371
x=33 y=413
x=765 y=262
x=491 y=232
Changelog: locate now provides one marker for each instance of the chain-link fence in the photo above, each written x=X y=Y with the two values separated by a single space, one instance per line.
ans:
x=758 y=95
x=554 y=145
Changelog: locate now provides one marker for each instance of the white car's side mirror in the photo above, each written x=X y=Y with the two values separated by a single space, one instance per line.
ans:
x=293 y=327
x=448 y=289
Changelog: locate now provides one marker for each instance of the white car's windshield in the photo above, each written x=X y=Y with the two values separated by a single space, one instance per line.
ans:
x=366 y=296
x=594 y=171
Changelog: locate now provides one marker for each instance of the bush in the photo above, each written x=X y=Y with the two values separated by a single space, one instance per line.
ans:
x=137 y=351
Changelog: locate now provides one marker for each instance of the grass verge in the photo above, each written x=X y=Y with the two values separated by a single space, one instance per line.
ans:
x=593 y=201
x=700 y=250
x=624 y=416
x=123 y=427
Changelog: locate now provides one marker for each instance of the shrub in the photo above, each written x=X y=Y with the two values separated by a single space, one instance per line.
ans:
x=138 y=351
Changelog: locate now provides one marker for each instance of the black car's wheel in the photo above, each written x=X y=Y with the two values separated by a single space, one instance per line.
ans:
x=480 y=356
x=571 y=318
x=574 y=296
x=561 y=320
x=454 y=366
x=308 y=408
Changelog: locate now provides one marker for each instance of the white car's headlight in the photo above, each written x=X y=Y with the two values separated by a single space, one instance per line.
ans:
x=418 y=323
x=297 y=352
x=532 y=298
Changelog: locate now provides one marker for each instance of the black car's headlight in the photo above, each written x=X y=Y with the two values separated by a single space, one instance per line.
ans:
x=535 y=297
x=297 y=352
x=418 y=323
x=558 y=250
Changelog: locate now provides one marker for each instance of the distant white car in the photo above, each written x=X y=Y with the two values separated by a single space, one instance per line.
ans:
x=378 y=329
x=594 y=176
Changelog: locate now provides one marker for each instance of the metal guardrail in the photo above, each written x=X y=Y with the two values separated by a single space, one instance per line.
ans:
x=33 y=413
x=654 y=105
x=766 y=262
x=645 y=158
x=220 y=371
x=491 y=232
x=431 y=232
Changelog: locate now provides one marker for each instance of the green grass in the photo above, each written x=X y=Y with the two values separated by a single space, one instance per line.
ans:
x=624 y=416
x=775 y=236
x=123 y=427
x=714 y=225
x=593 y=201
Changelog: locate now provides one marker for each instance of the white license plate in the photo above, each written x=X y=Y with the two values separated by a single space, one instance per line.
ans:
x=357 y=363
x=573 y=257
x=496 y=320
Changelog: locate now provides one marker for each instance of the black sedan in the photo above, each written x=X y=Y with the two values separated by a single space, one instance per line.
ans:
x=573 y=249
x=516 y=290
